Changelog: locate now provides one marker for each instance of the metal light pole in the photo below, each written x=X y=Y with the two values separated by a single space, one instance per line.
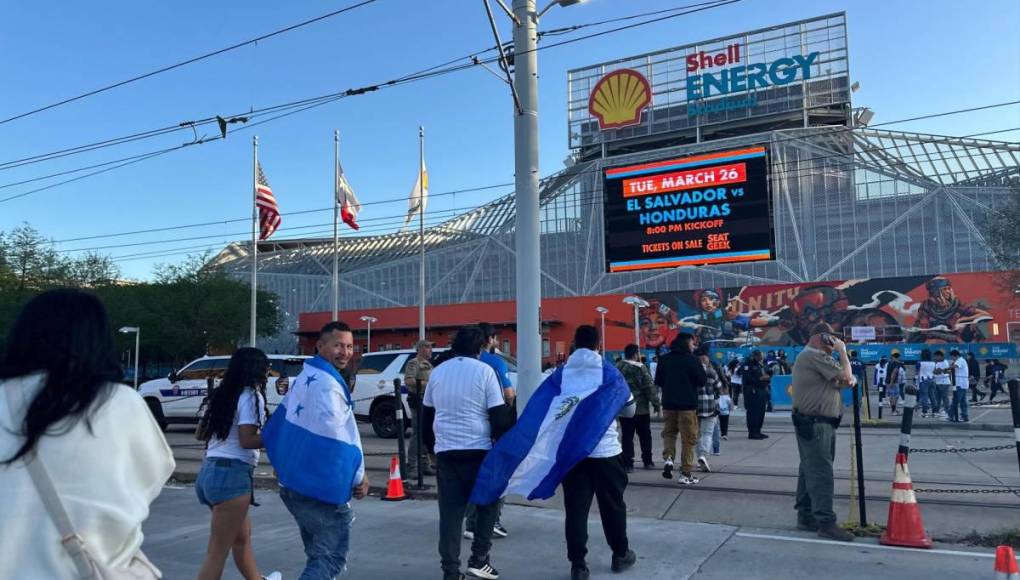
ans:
x=602 y=310
x=528 y=268
x=369 y=320
x=638 y=303
x=138 y=340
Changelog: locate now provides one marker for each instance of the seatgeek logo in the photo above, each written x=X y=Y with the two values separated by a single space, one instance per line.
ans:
x=704 y=83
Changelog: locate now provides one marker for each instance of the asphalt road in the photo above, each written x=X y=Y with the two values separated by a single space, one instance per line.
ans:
x=398 y=540
x=753 y=482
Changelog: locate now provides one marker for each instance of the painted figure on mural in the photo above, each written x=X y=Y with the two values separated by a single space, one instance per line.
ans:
x=659 y=324
x=813 y=305
x=943 y=318
x=714 y=323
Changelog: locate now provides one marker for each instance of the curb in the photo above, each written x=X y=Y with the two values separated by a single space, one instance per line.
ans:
x=270 y=483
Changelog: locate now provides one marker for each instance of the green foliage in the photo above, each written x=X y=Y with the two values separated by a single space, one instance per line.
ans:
x=188 y=310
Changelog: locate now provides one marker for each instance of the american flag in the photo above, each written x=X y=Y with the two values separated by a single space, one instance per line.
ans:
x=349 y=204
x=269 y=212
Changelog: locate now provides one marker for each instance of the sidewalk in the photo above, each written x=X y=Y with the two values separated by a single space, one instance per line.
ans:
x=398 y=540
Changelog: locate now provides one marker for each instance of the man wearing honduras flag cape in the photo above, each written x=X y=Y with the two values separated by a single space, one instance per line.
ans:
x=568 y=434
x=313 y=442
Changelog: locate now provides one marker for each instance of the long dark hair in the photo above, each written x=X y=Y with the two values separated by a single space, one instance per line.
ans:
x=247 y=368
x=66 y=334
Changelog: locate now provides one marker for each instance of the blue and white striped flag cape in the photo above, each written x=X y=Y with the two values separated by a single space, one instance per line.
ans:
x=312 y=438
x=563 y=423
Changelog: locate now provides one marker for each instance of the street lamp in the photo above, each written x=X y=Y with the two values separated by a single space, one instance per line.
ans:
x=138 y=337
x=369 y=320
x=638 y=303
x=602 y=310
x=528 y=228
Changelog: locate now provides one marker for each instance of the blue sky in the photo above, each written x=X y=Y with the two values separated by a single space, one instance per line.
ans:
x=911 y=57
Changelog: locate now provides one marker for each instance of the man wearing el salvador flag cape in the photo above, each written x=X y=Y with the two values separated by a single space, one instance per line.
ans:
x=568 y=434
x=313 y=442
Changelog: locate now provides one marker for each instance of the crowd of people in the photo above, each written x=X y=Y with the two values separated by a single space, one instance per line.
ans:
x=80 y=447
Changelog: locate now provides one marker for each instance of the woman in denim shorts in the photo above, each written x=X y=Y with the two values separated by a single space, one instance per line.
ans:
x=230 y=427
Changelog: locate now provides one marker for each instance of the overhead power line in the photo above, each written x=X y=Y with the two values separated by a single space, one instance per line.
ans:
x=433 y=71
x=186 y=62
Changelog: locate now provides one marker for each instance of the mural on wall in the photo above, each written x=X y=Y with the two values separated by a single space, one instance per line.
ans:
x=952 y=308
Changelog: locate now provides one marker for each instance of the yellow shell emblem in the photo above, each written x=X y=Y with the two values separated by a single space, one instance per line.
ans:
x=619 y=97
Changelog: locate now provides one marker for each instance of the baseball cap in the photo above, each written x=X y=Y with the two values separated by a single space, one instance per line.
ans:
x=422 y=343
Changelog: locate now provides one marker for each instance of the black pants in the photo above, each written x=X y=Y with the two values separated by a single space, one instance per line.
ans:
x=606 y=480
x=754 y=401
x=456 y=477
x=724 y=425
x=995 y=387
x=735 y=390
x=642 y=424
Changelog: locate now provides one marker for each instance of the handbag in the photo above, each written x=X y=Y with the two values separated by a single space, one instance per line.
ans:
x=138 y=568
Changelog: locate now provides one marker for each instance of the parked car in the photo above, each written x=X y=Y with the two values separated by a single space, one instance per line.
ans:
x=374 y=399
x=177 y=398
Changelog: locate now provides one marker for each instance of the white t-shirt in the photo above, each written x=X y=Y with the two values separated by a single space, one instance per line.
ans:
x=251 y=410
x=462 y=390
x=926 y=370
x=962 y=374
x=942 y=378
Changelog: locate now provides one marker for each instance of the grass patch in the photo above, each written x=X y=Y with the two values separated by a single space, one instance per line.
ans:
x=1006 y=538
x=869 y=531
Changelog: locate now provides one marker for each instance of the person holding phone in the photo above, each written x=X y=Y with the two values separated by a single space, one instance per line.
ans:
x=817 y=412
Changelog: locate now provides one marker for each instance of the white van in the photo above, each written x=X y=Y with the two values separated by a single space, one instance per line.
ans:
x=373 y=392
x=177 y=398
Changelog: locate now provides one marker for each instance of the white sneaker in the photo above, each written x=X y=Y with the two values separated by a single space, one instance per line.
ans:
x=703 y=463
x=469 y=535
x=687 y=479
x=273 y=576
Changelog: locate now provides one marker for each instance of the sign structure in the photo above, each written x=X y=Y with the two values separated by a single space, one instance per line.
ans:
x=790 y=71
x=862 y=333
x=706 y=209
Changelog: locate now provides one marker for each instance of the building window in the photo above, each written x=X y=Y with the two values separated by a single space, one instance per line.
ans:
x=545 y=347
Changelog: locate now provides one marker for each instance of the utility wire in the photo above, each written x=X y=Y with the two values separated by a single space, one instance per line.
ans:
x=430 y=72
x=385 y=223
x=187 y=62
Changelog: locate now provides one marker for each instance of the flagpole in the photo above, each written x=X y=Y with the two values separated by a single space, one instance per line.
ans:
x=421 y=232
x=254 y=232
x=336 y=225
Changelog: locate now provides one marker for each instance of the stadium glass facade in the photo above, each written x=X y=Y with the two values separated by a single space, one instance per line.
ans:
x=846 y=203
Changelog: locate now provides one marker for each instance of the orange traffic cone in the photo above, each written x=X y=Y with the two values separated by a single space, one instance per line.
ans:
x=395 y=489
x=904 y=526
x=1005 y=564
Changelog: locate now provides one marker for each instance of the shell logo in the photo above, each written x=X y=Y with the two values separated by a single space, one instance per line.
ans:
x=619 y=97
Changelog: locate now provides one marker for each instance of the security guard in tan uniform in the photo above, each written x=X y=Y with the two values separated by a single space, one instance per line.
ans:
x=416 y=378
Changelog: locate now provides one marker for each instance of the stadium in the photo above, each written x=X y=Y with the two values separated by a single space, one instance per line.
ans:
x=861 y=226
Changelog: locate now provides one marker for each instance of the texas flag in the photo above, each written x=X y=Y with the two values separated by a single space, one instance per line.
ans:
x=563 y=423
x=312 y=438
x=345 y=198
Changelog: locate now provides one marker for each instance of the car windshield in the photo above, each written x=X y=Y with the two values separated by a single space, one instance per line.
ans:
x=290 y=367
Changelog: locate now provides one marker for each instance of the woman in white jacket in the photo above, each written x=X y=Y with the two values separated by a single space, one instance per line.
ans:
x=106 y=457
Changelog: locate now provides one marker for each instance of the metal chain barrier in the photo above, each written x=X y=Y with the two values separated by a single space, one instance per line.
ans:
x=981 y=491
x=964 y=450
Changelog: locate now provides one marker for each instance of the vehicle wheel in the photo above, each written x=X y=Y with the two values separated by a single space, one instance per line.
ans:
x=384 y=420
x=157 y=413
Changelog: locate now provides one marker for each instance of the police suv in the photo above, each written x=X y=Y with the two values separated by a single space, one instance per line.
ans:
x=177 y=398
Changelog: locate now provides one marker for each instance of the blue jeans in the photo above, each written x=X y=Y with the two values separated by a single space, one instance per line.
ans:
x=325 y=532
x=715 y=437
x=924 y=396
x=959 y=410
x=942 y=398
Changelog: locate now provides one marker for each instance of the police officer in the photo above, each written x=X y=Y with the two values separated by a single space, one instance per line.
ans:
x=416 y=377
x=755 y=378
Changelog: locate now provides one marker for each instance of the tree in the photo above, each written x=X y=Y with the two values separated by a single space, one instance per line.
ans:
x=32 y=261
x=1003 y=236
x=92 y=270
